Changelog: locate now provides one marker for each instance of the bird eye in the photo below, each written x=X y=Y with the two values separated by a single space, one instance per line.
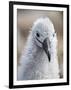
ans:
x=37 y=34
x=53 y=34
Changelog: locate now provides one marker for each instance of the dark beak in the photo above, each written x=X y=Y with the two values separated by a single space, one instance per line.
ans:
x=45 y=47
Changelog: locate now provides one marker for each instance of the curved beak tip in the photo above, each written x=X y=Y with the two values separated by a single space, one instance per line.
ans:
x=48 y=56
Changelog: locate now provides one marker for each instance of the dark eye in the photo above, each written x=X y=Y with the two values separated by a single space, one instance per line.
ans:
x=53 y=34
x=37 y=34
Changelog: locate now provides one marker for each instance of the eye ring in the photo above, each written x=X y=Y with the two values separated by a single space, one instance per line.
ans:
x=37 y=34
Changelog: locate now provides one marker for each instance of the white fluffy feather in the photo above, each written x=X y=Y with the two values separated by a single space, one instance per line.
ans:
x=34 y=63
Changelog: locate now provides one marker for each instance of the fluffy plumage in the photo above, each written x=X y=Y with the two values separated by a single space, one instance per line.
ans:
x=34 y=63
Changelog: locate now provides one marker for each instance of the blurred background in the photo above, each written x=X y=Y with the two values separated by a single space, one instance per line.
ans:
x=25 y=19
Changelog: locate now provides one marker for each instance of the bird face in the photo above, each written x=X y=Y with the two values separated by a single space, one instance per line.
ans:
x=42 y=40
x=42 y=33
